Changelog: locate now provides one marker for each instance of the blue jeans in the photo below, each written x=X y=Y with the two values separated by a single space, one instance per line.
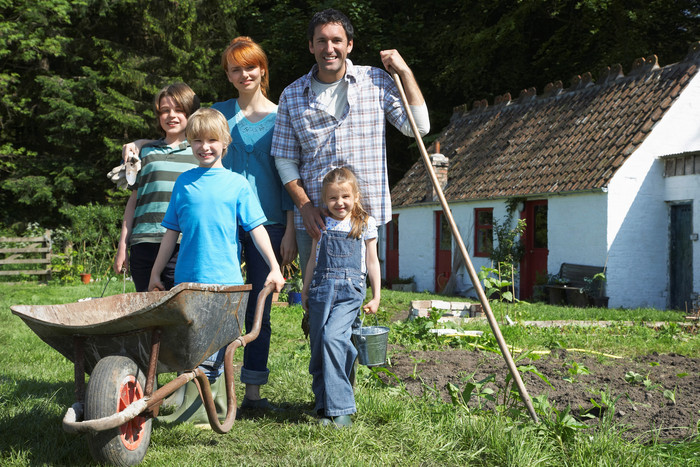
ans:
x=256 y=353
x=336 y=293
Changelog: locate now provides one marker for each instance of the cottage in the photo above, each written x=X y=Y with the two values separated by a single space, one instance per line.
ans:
x=605 y=172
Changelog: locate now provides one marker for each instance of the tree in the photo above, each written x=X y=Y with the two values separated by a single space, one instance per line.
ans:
x=89 y=71
x=78 y=76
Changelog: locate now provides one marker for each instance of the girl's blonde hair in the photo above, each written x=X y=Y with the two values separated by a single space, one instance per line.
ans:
x=358 y=215
x=246 y=52
x=208 y=123
x=184 y=98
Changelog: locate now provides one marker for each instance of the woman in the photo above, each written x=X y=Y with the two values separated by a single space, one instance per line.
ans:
x=251 y=119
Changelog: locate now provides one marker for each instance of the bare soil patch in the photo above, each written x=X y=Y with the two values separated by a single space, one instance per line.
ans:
x=642 y=411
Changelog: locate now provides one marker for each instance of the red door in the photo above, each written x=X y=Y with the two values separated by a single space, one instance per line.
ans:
x=392 y=249
x=443 y=251
x=535 y=241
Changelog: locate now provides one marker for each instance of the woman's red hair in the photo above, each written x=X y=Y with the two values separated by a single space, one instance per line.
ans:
x=246 y=52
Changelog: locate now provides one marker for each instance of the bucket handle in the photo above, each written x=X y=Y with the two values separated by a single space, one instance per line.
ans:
x=362 y=323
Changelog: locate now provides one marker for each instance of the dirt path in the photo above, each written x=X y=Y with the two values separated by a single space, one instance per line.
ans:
x=641 y=408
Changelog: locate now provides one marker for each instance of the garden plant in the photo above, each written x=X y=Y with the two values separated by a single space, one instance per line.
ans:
x=438 y=401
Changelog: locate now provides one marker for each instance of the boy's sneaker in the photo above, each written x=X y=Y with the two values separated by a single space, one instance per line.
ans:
x=260 y=404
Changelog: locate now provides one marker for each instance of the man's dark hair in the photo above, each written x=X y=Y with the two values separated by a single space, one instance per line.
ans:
x=330 y=16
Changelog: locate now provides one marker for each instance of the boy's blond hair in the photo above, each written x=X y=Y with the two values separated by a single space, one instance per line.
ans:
x=207 y=123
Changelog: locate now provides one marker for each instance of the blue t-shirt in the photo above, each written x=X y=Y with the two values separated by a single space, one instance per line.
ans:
x=249 y=155
x=207 y=206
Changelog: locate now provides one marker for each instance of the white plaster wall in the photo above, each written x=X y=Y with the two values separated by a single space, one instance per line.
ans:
x=638 y=215
x=464 y=218
x=417 y=241
x=576 y=226
x=638 y=235
x=417 y=245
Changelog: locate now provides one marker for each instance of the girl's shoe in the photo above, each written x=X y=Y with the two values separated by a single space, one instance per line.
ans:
x=342 y=421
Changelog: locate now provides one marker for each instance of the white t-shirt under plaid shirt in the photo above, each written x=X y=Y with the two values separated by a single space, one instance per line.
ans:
x=307 y=131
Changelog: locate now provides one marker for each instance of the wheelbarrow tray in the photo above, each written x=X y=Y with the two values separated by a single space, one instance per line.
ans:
x=195 y=320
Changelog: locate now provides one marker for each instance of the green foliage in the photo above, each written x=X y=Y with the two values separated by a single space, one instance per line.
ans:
x=494 y=284
x=477 y=389
x=417 y=330
x=78 y=76
x=574 y=370
x=557 y=424
x=94 y=234
x=507 y=250
x=65 y=268
x=595 y=286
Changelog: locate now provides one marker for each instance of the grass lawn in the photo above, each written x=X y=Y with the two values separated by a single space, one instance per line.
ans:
x=391 y=427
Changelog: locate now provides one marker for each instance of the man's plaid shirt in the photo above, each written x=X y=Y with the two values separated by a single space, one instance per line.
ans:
x=305 y=131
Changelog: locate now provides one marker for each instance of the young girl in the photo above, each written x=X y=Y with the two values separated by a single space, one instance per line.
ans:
x=161 y=162
x=334 y=289
x=251 y=118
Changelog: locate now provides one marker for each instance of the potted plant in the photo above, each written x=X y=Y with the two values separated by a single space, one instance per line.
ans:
x=295 y=284
x=295 y=289
x=84 y=264
x=595 y=289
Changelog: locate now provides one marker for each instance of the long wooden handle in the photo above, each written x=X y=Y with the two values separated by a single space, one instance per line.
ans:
x=467 y=261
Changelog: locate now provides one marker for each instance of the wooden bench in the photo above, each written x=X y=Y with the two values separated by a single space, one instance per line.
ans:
x=33 y=253
x=573 y=277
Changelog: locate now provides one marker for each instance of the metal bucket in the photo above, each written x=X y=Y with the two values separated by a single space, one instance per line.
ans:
x=370 y=342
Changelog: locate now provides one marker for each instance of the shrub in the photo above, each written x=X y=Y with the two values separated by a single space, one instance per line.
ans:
x=94 y=234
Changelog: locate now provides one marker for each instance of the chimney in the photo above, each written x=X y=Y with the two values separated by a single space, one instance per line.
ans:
x=440 y=166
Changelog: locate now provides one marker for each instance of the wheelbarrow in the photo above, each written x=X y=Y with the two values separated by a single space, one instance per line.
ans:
x=124 y=340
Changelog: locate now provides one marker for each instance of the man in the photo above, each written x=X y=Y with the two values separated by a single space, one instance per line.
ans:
x=335 y=116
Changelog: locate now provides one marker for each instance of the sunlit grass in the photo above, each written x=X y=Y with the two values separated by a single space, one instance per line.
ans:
x=390 y=428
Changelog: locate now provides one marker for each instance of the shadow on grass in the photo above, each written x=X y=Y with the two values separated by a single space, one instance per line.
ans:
x=31 y=424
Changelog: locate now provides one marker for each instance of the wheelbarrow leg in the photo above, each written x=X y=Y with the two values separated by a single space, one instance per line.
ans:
x=153 y=368
x=79 y=368
x=153 y=362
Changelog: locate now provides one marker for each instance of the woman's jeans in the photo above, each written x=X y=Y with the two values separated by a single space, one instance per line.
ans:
x=255 y=354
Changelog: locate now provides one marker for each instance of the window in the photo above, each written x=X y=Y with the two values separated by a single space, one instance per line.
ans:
x=483 y=231
x=445 y=233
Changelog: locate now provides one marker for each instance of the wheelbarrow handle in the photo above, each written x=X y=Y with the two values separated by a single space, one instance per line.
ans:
x=203 y=382
x=257 y=320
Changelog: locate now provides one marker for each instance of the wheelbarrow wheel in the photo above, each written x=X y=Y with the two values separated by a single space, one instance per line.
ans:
x=115 y=383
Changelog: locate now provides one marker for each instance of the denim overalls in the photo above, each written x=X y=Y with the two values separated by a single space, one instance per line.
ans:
x=336 y=293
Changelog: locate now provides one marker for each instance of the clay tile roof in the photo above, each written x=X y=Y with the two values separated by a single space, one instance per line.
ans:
x=564 y=140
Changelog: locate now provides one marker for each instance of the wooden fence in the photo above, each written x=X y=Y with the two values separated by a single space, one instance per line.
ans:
x=26 y=256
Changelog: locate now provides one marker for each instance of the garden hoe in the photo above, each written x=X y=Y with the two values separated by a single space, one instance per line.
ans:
x=467 y=261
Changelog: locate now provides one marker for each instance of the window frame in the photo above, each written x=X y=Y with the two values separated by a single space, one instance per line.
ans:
x=479 y=228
